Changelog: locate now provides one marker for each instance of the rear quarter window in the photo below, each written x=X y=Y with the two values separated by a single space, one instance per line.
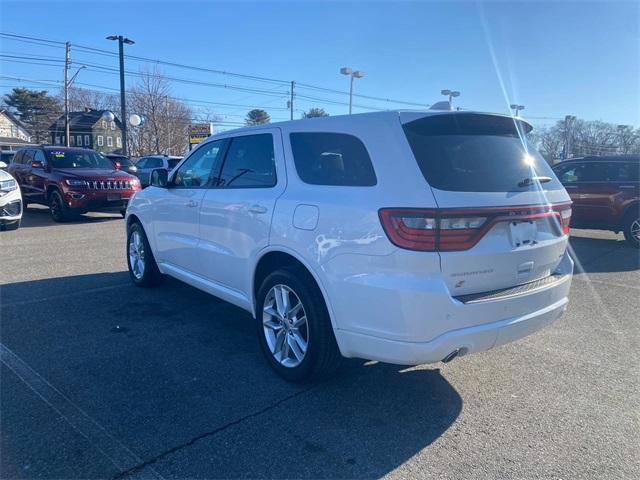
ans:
x=334 y=159
x=476 y=153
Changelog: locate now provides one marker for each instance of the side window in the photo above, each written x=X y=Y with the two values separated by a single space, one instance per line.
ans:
x=571 y=173
x=18 y=158
x=196 y=170
x=39 y=156
x=142 y=162
x=332 y=159
x=594 y=172
x=249 y=163
x=154 y=162
x=28 y=157
x=623 y=172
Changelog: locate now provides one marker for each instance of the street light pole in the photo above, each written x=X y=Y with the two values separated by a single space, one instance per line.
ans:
x=123 y=108
x=352 y=74
x=451 y=94
x=516 y=108
x=67 y=61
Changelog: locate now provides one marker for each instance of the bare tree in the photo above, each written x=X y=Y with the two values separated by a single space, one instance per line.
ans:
x=81 y=98
x=582 y=137
x=165 y=119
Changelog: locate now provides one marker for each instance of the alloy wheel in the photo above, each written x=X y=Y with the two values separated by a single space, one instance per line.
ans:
x=136 y=255
x=635 y=230
x=285 y=326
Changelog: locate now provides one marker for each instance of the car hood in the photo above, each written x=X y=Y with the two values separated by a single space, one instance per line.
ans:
x=94 y=173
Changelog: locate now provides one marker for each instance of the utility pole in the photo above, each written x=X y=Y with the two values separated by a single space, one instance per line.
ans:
x=123 y=109
x=568 y=123
x=293 y=85
x=67 y=61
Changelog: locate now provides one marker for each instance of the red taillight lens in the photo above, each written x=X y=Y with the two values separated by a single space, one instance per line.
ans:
x=439 y=230
x=414 y=229
x=565 y=217
x=424 y=230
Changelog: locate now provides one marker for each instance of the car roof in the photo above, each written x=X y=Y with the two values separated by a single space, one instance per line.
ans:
x=403 y=116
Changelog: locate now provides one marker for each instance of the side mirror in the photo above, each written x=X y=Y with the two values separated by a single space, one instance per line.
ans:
x=160 y=178
x=37 y=164
x=3 y=165
x=118 y=165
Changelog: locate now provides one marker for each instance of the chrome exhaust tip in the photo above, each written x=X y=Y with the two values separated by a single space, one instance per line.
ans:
x=451 y=356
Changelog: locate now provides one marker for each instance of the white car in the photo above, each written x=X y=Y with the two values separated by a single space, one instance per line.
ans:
x=10 y=201
x=403 y=237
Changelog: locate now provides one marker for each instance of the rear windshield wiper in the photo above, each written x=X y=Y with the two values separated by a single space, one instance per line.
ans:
x=528 y=181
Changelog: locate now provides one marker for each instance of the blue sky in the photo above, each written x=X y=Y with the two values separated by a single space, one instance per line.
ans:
x=556 y=58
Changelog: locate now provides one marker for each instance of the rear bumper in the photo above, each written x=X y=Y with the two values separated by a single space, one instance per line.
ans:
x=466 y=340
x=411 y=318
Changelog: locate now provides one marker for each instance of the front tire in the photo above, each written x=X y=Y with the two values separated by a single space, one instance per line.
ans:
x=294 y=328
x=143 y=268
x=631 y=227
x=60 y=212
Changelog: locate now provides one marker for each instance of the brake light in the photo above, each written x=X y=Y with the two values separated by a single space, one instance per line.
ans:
x=565 y=219
x=438 y=230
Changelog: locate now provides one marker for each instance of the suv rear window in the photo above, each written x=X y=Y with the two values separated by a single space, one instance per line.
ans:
x=332 y=159
x=476 y=153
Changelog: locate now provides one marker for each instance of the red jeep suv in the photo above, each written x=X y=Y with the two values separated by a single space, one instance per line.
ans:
x=605 y=192
x=71 y=181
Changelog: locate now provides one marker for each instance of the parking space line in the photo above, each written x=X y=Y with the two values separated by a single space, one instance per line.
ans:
x=65 y=295
x=113 y=449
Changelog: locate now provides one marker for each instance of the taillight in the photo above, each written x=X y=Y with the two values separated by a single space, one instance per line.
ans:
x=410 y=228
x=425 y=230
x=565 y=219
x=439 y=230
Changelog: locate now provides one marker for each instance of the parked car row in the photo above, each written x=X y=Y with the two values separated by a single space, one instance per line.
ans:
x=71 y=181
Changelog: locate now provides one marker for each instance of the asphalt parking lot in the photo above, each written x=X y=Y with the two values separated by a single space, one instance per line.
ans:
x=100 y=379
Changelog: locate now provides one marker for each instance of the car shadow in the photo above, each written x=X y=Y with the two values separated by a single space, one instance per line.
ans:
x=39 y=216
x=178 y=376
x=601 y=255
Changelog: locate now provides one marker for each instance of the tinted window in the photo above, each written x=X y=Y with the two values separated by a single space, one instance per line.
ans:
x=332 y=159
x=39 y=156
x=172 y=162
x=27 y=157
x=570 y=173
x=623 y=172
x=476 y=153
x=142 y=162
x=154 y=162
x=196 y=170
x=19 y=156
x=249 y=163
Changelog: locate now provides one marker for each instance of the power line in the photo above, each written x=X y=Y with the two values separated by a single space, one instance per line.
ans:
x=207 y=70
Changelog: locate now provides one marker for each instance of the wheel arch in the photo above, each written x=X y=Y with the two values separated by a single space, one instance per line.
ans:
x=278 y=257
x=633 y=204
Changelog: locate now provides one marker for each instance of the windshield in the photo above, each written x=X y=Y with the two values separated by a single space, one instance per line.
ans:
x=78 y=159
x=477 y=153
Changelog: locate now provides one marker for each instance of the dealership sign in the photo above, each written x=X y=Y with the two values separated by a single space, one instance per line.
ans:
x=198 y=132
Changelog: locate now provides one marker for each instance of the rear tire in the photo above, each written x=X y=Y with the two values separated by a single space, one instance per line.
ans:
x=143 y=268
x=631 y=226
x=296 y=329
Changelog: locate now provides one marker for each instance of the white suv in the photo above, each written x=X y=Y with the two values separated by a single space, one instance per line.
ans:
x=402 y=237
